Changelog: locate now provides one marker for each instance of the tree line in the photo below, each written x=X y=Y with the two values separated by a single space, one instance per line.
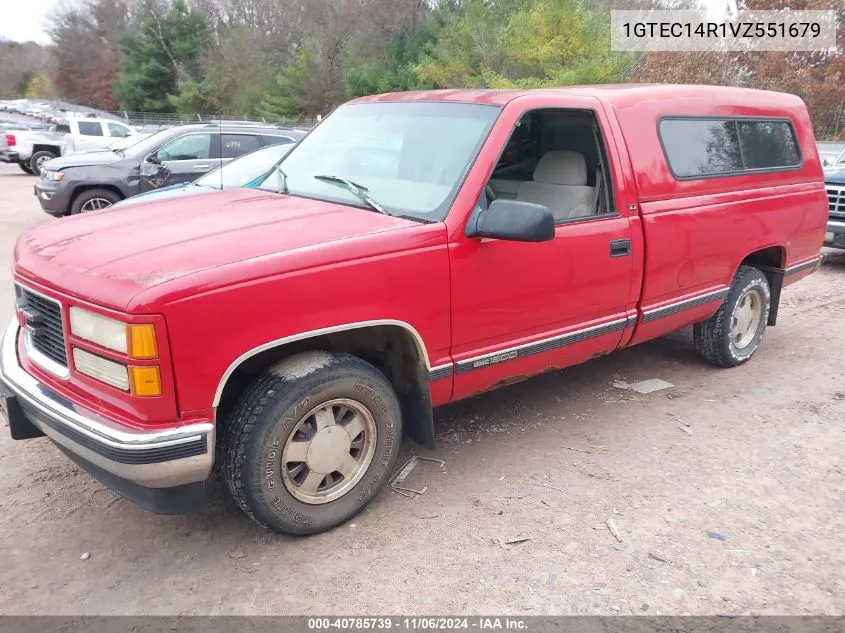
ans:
x=289 y=58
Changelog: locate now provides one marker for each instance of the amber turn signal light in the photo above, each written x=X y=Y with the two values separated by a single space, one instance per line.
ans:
x=141 y=341
x=144 y=381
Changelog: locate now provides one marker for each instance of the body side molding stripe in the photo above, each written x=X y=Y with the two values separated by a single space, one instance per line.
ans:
x=441 y=371
x=538 y=347
x=686 y=304
x=796 y=268
x=421 y=350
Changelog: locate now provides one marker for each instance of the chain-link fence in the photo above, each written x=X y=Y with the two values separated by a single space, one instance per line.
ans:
x=65 y=109
x=170 y=118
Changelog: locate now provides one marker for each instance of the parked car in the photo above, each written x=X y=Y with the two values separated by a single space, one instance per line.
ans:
x=834 y=181
x=32 y=149
x=95 y=180
x=829 y=151
x=248 y=171
x=299 y=330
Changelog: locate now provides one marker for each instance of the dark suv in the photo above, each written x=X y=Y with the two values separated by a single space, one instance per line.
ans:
x=95 y=180
x=834 y=182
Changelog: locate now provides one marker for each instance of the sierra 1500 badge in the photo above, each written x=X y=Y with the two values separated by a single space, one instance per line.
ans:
x=492 y=360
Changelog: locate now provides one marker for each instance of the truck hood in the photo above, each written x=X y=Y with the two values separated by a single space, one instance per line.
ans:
x=109 y=257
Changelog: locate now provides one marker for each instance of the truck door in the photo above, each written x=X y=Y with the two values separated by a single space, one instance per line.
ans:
x=519 y=308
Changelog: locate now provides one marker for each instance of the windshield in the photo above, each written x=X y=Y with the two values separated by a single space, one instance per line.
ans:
x=127 y=141
x=409 y=157
x=141 y=144
x=243 y=170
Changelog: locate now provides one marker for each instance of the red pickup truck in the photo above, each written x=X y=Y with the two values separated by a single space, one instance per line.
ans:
x=412 y=250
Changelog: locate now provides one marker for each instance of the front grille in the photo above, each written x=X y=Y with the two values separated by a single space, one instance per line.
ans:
x=836 y=200
x=46 y=329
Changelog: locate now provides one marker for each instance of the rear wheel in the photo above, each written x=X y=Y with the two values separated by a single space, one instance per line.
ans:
x=38 y=159
x=732 y=335
x=311 y=442
x=26 y=168
x=93 y=199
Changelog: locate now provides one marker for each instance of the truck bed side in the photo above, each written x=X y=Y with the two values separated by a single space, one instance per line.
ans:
x=697 y=232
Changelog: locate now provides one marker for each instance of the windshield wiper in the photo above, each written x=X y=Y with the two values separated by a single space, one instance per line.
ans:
x=359 y=191
x=283 y=178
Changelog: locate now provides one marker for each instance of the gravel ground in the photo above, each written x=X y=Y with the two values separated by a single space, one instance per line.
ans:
x=726 y=489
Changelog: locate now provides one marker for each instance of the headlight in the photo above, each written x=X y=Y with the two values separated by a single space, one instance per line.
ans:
x=98 y=329
x=53 y=176
x=134 y=340
x=100 y=368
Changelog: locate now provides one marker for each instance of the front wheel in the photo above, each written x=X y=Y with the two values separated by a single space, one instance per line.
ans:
x=93 y=200
x=732 y=335
x=311 y=442
x=37 y=160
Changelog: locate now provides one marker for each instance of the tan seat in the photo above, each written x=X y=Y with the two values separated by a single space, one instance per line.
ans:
x=560 y=183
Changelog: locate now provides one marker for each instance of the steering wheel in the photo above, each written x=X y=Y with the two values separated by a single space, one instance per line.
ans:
x=491 y=195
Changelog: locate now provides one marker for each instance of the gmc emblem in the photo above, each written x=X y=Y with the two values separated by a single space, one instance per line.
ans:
x=29 y=320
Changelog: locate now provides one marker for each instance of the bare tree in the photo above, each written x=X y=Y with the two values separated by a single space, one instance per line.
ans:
x=87 y=49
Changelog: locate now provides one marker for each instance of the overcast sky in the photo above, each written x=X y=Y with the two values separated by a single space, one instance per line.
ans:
x=24 y=20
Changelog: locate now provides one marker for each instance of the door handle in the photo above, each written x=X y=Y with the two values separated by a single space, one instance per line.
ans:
x=620 y=248
x=203 y=167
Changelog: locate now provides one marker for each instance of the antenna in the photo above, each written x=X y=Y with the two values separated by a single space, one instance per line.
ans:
x=220 y=129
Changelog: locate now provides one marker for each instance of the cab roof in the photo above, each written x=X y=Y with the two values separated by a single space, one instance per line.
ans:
x=619 y=95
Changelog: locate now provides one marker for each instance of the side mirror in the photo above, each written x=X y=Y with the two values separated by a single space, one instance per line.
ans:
x=149 y=169
x=513 y=220
x=152 y=158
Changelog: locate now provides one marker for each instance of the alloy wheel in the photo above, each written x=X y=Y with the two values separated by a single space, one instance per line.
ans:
x=328 y=451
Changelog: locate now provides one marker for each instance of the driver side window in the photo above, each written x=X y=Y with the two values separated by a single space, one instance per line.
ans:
x=555 y=158
x=190 y=147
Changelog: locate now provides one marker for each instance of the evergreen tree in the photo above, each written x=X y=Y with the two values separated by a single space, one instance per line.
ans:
x=161 y=56
x=395 y=71
x=524 y=44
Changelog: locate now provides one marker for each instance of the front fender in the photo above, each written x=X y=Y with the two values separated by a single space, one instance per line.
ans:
x=104 y=176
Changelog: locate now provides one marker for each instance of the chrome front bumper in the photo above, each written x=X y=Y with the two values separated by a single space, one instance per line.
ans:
x=835 y=235
x=159 y=459
x=836 y=226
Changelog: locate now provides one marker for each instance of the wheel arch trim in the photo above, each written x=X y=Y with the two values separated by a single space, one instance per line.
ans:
x=357 y=325
x=82 y=186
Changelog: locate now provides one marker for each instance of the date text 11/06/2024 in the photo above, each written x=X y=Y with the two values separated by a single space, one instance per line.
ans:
x=416 y=623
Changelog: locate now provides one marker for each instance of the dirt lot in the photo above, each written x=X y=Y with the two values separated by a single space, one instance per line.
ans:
x=741 y=513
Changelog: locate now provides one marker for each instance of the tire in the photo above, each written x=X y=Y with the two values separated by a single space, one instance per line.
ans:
x=36 y=160
x=278 y=415
x=730 y=337
x=92 y=200
x=26 y=168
